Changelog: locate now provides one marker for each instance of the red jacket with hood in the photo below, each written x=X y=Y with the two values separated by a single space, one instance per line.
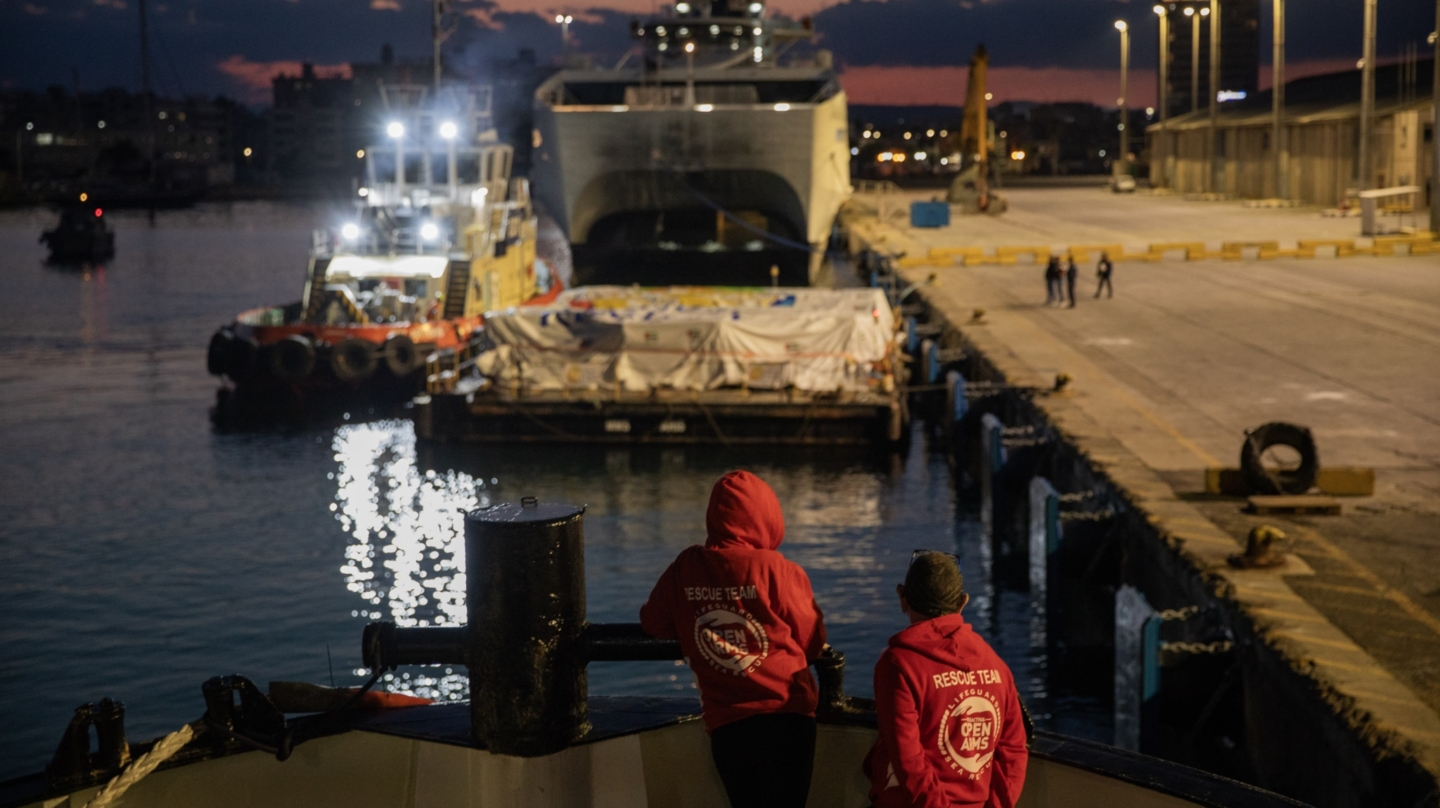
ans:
x=951 y=730
x=745 y=616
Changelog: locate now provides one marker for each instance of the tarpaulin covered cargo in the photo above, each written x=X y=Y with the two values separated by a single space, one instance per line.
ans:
x=694 y=338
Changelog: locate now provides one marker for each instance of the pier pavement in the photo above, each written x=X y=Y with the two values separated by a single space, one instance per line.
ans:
x=1169 y=374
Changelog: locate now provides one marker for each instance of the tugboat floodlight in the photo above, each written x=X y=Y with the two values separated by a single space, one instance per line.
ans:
x=350 y=231
x=395 y=129
x=782 y=107
x=449 y=130
x=364 y=192
x=689 y=47
x=756 y=8
x=477 y=197
x=682 y=8
x=758 y=31
x=429 y=231
x=759 y=54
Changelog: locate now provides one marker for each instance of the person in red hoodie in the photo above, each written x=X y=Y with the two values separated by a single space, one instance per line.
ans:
x=747 y=621
x=952 y=732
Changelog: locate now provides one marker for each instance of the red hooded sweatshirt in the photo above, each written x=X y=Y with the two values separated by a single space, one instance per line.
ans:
x=951 y=731
x=745 y=617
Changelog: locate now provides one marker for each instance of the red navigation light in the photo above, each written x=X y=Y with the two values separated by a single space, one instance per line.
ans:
x=99 y=213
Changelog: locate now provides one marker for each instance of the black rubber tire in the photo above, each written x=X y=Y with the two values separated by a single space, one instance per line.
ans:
x=401 y=356
x=244 y=359
x=217 y=356
x=354 y=360
x=291 y=360
x=1267 y=481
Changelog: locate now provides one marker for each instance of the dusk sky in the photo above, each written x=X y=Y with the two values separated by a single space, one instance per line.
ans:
x=889 y=51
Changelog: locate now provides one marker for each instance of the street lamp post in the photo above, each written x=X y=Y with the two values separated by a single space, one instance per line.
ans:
x=1435 y=139
x=1214 y=132
x=1163 y=152
x=1195 y=54
x=1367 y=97
x=564 y=20
x=1124 y=29
x=1278 y=146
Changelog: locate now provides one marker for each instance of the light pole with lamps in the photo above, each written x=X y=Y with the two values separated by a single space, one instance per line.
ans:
x=396 y=131
x=1163 y=152
x=1124 y=29
x=1435 y=139
x=564 y=21
x=1195 y=53
x=1367 y=97
x=1278 y=146
x=450 y=132
x=1213 y=134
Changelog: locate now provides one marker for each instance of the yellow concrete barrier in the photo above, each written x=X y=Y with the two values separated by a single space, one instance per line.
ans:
x=1194 y=250
x=1085 y=253
x=1343 y=247
x=911 y=261
x=954 y=253
x=1235 y=250
x=1011 y=255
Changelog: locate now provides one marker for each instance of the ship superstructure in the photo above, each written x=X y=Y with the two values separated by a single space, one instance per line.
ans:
x=708 y=161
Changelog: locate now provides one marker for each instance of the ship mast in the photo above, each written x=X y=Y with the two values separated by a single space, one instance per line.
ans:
x=145 y=92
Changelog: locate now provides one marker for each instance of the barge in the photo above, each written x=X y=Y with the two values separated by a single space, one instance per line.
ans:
x=724 y=366
x=530 y=734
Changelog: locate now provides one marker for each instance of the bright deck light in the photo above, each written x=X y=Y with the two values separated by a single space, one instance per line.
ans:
x=429 y=231
x=782 y=107
x=449 y=130
x=350 y=231
x=1120 y=25
x=395 y=130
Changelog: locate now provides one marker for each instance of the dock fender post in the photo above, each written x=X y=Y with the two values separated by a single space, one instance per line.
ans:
x=956 y=406
x=525 y=593
x=244 y=358
x=992 y=459
x=1137 y=665
x=1044 y=540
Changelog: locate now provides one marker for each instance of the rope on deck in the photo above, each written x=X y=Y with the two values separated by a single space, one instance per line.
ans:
x=142 y=766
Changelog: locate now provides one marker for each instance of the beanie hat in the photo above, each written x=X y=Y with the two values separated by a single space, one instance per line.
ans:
x=934 y=585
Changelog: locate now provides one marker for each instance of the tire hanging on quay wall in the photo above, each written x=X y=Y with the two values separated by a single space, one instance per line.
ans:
x=354 y=360
x=291 y=359
x=1279 y=481
x=401 y=356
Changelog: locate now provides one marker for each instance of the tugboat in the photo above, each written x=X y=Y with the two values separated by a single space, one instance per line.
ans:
x=530 y=734
x=82 y=236
x=710 y=162
x=412 y=273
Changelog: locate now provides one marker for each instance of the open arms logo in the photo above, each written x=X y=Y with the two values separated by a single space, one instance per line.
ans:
x=969 y=731
x=731 y=640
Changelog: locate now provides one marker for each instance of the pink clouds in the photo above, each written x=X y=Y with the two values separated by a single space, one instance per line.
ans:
x=254 y=77
x=900 y=86
x=384 y=5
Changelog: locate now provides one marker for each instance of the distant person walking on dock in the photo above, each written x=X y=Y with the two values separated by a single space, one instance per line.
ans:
x=747 y=621
x=1071 y=274
x=952 y=731
x=1103 y=271
x=1053 y=296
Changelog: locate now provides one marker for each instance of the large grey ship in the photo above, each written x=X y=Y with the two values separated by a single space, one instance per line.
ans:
x=710 y=160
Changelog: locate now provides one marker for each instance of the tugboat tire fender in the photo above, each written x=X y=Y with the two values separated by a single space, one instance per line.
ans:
x=244 y=358
x=292 y=359
x=354 y=360
x=217 y=356
x=401 y=356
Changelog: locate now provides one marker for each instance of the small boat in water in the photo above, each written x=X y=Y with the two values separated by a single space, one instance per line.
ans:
x=530 y=735
x=449 y=237
x=82 y=236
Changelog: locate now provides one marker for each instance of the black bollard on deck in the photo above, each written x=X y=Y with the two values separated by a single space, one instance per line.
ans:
x=525 y=589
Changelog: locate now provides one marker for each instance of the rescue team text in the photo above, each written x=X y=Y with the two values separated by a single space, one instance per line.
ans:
x=720 y=592
x=981 y=677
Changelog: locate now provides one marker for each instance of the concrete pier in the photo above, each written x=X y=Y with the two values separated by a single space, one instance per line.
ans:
x=1168 y=375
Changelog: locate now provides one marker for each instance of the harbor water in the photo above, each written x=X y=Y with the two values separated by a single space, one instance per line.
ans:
x=142 y=551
